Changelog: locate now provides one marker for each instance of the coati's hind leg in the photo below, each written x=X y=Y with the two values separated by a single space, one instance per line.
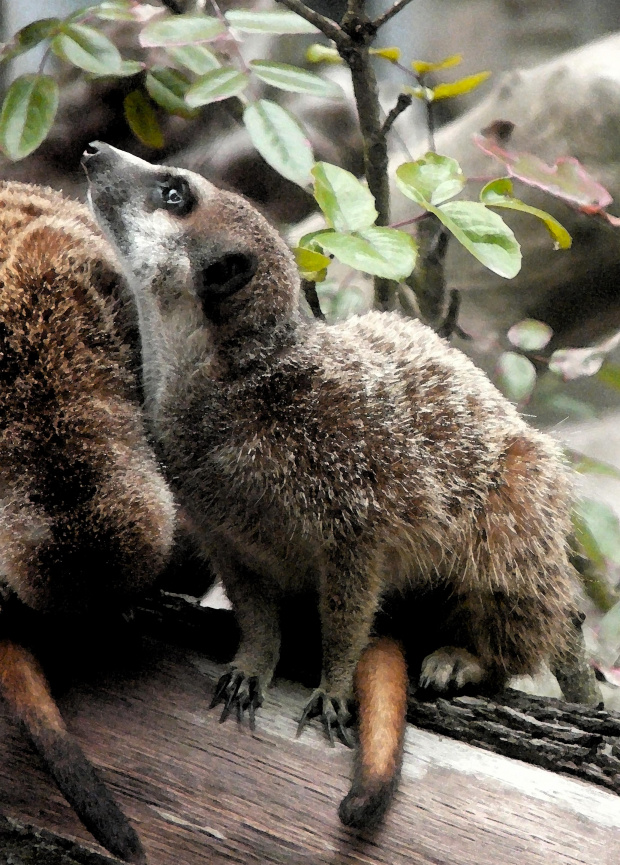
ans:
x=242 y=687
x=350 y=590
x=24 y=688
x=450 y=668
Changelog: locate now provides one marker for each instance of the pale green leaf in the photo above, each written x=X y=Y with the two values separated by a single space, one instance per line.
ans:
x=277 y=22
x=484 y=234
x=129 y=68
x=384 y=252
x=609 y=374
x=516 y=375
x=28 y=111
x=168 y=87
x=498 y=193
x=113 y=10
x=598 y=531
x=318 y=53
x=433 y=178
x=196 y=58
x=530 y=334
x=142 y=119
x=457 y=88
x=215 y=86
x=180 y=30
x=347 y=203
x=421 y=67
x=280 y=140
x=87 y=49
x=588 y=465
x=292 y=78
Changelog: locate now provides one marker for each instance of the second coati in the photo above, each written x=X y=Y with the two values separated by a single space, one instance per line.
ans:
x=86 y=518
x=368 y=460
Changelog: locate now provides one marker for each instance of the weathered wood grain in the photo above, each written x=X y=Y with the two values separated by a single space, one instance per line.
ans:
x=201 y=792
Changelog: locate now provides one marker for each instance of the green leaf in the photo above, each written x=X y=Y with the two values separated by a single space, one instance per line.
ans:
x=347 y=203
x=113 y=10
x=28 y=112
x=142 y=120
x=180 y=30
x=29 y=36
x=168 y=87
x=609 y=374
x=384 y=252
x=268 y=22
x=196 y=58
x=516 y=375
x=292 y=78
x=433 y=178
x=573 y=363
x=598 y=531
x=129 y=68
x=309 y=260
x=280 y=140
x=319 y=53
x=215 y=86
x=587 y=465
x=421 y=67
x=87 y=49
x=530 y=334
x=484 y=234
x=457 y=88
x=498 y=193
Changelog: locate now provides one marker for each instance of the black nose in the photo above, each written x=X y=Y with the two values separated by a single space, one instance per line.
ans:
x=95 y=148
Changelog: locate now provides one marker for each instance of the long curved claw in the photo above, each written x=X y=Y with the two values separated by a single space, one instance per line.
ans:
x=239 y=693
x=333 y=713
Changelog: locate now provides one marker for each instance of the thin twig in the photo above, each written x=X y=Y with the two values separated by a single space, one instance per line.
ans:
x=328 y=27
x=402 y=103
x=390 y=13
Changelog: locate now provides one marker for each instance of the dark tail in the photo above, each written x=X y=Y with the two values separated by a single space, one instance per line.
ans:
x=381 y=688
x=25 y=689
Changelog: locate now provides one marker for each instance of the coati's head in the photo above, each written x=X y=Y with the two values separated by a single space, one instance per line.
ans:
x=206 y=256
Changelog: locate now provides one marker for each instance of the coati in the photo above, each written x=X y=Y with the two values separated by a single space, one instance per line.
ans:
x=368 y=459
x=86 y=518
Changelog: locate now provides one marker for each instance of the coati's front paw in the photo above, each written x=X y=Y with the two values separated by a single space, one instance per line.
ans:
x=241 y=692
x=332 y=711
x=450 y=668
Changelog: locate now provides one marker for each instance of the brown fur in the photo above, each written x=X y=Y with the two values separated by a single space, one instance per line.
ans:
x=85 y=516
x=367 y=459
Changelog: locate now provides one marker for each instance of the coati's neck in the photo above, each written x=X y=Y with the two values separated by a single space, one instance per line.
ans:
x=153 y=346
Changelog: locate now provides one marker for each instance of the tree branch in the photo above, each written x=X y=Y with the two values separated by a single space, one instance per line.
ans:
x=390 y=13
x=328 y=27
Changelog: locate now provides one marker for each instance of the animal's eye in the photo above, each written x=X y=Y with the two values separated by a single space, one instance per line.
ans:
x=175 y=195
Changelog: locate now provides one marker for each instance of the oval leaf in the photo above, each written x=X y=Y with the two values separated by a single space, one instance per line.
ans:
x=384 y=252
x=168 y=87
x=196 y=58
x=516 y=375
x=29 y=36
x=28 y=112
x=294 y=79
x=498 y=193
x=113 y=10
x=573 y=363
x=181 y=30
x=309 y=260
x=268 y=22
x=280 y=140
x=530 y=335
x=433 y=178
x=215 y=86
x=87 y=49
x=348 y=205
x=598 y=530
x=457 y=88
x=319 y=53
x=142 y=120
x=391 y=54
x=484 y=234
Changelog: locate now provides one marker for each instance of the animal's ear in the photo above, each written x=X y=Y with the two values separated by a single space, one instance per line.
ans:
x=225 y=276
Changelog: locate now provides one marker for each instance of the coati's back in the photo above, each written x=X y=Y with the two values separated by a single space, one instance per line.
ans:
x=85 y=513
x=86 y=519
